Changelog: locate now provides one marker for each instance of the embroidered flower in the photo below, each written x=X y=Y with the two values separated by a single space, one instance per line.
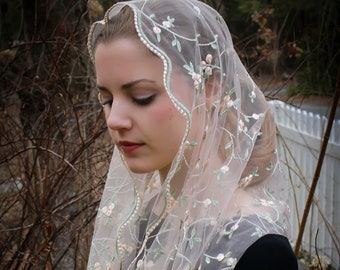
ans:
x=240 y=125
x=126 y=249
x=207 y=202
x=191 y=144
x=252 y=96
x=231 y=262
x=97 y=266
x=208 y=71
x=245 y=181
x=197 y=9
x=156 y=30
x=197 y=79
x=266 y=202
x=220 y=257
x=139 y=264
x=107 y=210
x=213 y=222
x=229 y=102
x=229 y=231
x=234 y=227
x=208 y=58
x=226 y=104
x=168 y=23
x=255 y=116
x=224 y=169
x=203 y=64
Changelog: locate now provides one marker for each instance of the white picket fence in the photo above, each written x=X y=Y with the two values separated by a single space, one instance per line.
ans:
x=300 y=137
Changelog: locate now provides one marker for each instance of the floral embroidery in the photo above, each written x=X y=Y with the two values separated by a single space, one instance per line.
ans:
x=207 y=202
x=157 y=31
x=139 y=264
x=205 y=71
x=197 y=78
x=245 y=181
x=190 y=144
x=222 y=171
x=254 y=116
x=252 y=96
x=168 y=23
x=233 y=102
x=233 y=228
x=192 y=239
x=241 y=127
x=222 y=258
x=266 y=202
x=197 y=9
x=97 y=266
x=231 y=262
x=107 y=210
x=206 y=66
x=126 y=249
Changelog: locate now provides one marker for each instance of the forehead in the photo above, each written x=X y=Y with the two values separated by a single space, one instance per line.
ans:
x=122 y=49
x=126 y=57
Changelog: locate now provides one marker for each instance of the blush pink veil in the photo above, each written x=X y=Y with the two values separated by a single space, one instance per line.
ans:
x=233 y=191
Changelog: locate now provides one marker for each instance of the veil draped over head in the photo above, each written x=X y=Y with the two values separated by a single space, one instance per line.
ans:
x=233 y=192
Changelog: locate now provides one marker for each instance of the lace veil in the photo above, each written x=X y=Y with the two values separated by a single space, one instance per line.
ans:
x=233 y=189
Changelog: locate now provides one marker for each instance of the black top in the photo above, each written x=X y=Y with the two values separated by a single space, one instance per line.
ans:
x=270 y=252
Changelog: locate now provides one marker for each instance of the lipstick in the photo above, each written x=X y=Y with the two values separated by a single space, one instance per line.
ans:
x=129 y=147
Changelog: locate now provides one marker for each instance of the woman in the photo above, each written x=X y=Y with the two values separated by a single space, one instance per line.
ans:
x=194 y=182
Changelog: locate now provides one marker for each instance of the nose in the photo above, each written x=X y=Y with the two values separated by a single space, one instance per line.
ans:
x=118 y=117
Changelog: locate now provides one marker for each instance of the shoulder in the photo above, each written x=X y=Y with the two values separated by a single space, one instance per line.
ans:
x=244 y=238
x=271 y=251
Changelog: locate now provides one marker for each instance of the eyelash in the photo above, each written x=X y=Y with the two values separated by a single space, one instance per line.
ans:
x=143 y=101
x=107 y=102
x=138 y=101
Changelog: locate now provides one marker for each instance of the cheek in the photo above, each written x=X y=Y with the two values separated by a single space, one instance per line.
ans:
x=167 y=119
x=164 y=110
x=164 y=114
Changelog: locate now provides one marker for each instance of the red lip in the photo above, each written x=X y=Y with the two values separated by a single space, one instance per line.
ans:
x=128 y=147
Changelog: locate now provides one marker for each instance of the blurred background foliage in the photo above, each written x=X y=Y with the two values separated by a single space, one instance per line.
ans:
x=54 y=151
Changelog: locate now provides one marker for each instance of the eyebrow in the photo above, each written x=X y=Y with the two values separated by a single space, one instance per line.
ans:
x=128 y=85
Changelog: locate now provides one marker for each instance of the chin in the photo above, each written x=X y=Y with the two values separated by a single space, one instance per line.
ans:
x=140 y=169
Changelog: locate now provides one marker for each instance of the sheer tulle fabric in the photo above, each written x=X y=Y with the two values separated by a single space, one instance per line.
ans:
x=233 y=189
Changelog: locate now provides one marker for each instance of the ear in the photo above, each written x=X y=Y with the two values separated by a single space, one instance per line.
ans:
x=211 y=91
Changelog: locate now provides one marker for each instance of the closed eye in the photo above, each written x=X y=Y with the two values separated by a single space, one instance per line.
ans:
x=144 y=101
x=107 y=102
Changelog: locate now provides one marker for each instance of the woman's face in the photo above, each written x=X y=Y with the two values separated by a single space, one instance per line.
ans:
x=143 y=122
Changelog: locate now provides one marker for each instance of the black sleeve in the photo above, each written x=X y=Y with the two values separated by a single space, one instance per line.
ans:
x=270 y=252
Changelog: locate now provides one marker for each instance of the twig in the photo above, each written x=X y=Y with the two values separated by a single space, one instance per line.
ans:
x=319 y=164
